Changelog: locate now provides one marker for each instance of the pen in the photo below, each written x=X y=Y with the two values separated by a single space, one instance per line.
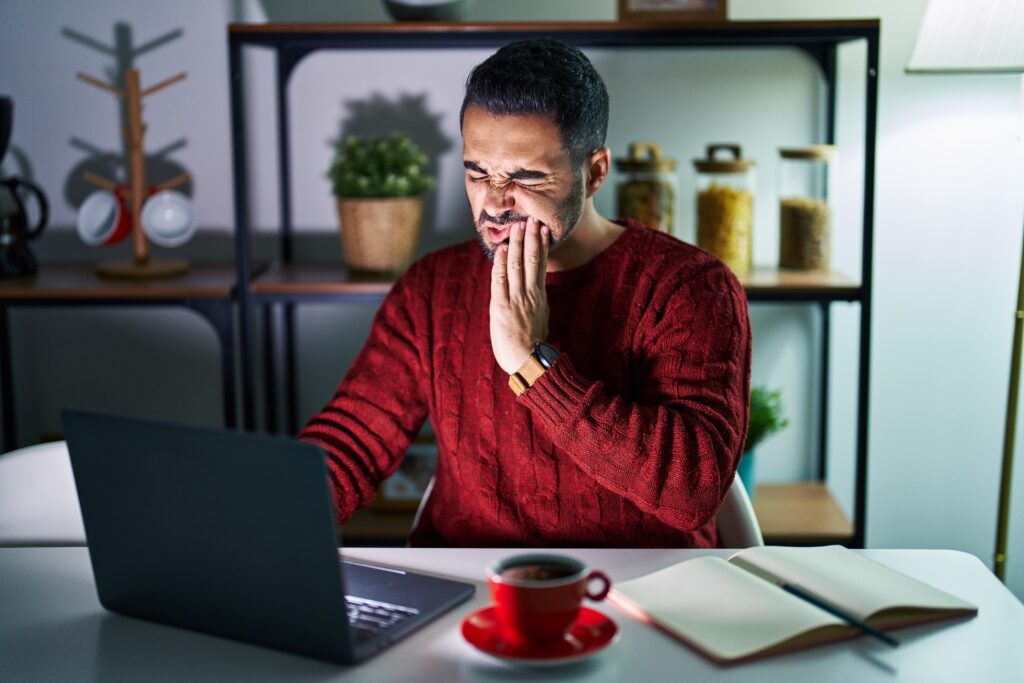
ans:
x=870 y=630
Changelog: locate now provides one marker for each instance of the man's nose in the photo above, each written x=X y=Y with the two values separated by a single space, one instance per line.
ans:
x=499 y=199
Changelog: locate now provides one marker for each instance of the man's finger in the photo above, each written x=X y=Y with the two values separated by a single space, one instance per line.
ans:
x=531 y=255
x=499 y=277
x=515 y=261
x=542 y=269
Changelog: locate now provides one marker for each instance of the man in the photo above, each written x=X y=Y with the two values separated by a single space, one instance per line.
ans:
x=588 y=381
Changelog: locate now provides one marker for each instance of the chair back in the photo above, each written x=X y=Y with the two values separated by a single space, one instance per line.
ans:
x=38 y=498
x=423 y=504
x=736 y=520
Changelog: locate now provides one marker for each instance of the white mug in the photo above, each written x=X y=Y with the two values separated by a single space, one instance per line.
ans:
x=168 y=218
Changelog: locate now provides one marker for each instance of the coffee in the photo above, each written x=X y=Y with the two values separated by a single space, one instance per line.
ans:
x=537 y=571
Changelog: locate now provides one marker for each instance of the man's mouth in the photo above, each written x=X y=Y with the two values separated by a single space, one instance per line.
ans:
x=498 y=234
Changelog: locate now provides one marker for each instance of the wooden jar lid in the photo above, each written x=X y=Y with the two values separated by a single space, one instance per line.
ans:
x=712 y=165
x=811 y=152
x=645 y=157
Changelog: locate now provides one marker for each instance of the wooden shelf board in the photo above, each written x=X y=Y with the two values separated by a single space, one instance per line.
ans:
x=770 y=280
x=298 y=279
x=317 y=279
x=803 y=511
x=800 y=511
x=542 y=27
x=369 y=524
x=80 y=281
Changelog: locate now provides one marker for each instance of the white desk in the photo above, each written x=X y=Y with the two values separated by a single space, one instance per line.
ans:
x=52 y=628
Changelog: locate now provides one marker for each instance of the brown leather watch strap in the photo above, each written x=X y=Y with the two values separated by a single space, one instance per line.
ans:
x=523 y=378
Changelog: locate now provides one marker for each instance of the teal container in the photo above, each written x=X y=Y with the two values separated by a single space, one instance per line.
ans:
x=746 y=472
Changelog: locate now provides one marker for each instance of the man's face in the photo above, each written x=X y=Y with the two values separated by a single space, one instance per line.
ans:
x=516 y=167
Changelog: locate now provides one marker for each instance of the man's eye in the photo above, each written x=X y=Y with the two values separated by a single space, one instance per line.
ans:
x=529 y=186
x=477 y=178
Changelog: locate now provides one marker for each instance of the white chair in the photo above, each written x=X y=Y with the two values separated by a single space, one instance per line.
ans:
x=38 y=499
x=423 y=504
x=737 y=523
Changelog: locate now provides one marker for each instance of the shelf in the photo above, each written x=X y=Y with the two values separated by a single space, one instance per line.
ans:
x=208 y=290
x=80 y=282
x=302 y=281
x=794 y=514
x=785 y=513
x=370 y=527
x=800 y=514
x=595 y=33
x=773 y=284
x=534 y=26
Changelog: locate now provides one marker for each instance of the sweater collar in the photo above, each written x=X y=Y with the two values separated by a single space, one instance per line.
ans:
x=594 y=265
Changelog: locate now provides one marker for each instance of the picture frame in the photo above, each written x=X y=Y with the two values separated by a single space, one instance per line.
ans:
x=672 y=11
x=403 y=490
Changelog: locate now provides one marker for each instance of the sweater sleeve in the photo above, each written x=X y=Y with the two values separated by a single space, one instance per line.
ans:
x=379 y=406
x=674 y=449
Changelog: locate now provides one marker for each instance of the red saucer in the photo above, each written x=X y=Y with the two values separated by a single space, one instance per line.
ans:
x=591 y=633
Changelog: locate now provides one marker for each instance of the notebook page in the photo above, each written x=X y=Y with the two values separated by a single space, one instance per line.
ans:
x=846 y=579
x=721 y=608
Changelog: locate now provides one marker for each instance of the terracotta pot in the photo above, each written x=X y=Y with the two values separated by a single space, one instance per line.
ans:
x=380 y=235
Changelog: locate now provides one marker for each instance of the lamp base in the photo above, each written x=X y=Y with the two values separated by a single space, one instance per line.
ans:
x=150 y=270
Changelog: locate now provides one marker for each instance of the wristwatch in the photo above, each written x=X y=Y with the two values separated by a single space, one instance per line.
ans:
x=541 y=358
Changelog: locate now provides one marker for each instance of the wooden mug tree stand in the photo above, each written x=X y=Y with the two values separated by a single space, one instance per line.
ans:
x=141 y=267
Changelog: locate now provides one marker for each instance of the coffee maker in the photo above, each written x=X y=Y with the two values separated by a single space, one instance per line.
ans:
x=16 y=259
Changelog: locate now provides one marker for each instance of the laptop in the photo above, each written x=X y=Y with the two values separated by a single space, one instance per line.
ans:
x=233 y=534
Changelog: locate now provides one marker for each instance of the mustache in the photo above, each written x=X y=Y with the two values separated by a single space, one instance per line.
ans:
x=502 y=219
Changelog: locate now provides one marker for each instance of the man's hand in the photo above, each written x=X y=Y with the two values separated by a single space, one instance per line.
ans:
x=519 y=299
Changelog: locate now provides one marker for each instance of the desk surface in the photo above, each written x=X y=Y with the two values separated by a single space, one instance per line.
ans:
x=53 y=628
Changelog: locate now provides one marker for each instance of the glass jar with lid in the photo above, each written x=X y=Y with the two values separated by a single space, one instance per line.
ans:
x=725 y=205
x=805 y=207
x=646 y=192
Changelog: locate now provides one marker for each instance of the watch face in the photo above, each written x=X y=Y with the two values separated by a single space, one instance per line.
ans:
x=546 y=354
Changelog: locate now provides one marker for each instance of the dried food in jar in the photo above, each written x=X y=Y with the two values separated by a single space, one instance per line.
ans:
x=724 y=224
x=649 y=201
x=805 y=233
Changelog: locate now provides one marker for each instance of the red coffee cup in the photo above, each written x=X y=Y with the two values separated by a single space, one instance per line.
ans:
x=104 y=218
x=537 y=596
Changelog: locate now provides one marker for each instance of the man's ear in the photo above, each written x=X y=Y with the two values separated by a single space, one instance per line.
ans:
x=596 y=168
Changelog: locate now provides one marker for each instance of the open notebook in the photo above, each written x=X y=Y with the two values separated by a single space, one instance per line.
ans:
x=735 y=610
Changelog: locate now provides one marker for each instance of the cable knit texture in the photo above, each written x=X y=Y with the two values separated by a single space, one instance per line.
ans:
x=630 y=440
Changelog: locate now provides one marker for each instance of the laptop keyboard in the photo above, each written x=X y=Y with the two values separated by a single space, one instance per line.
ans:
x=370 y=617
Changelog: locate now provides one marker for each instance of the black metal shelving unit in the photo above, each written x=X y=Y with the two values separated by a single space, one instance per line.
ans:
x=291 y=43
x=207 y=291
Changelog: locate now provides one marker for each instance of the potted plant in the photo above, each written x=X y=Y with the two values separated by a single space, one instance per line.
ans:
x=765 y=419
x=379 y=183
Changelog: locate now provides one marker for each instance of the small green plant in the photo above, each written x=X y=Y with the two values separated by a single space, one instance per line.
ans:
x=378 y=167
x=765 y=416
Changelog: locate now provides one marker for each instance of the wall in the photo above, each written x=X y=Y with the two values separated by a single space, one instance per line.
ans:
x=948 y=221
x=948 y=215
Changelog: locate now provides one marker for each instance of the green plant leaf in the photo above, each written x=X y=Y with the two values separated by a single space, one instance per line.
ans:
x=390 y=166
x=766 y=416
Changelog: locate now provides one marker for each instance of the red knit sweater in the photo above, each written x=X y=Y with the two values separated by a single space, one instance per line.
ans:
x=631 y=439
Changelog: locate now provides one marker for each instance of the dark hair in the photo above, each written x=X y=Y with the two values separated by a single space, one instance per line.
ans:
x=544 y=76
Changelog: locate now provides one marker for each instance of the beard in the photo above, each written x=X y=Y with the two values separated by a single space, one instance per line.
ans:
x=567 y=215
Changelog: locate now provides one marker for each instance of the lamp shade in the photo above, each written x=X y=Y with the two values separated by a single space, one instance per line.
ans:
x=973 y=36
